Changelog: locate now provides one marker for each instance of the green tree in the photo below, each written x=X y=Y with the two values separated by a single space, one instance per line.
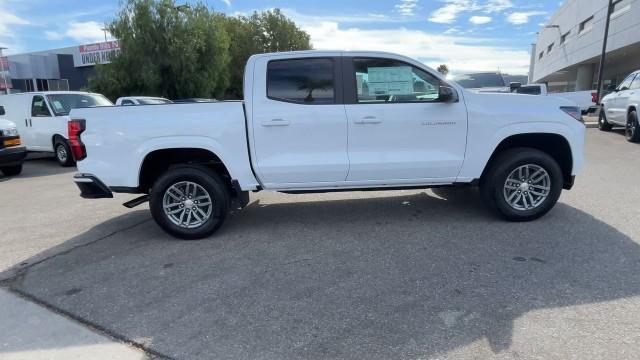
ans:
x=166 y=50
x=267 y=31
x=443 y=69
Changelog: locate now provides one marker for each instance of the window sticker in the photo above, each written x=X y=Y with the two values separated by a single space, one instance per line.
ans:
x=390 y=80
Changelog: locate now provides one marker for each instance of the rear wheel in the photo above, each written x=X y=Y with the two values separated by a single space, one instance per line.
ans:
x=632 y=130
x=11 y=170
x=603 y=124
x=63 y=153
x=522 y=184
x=189 y=202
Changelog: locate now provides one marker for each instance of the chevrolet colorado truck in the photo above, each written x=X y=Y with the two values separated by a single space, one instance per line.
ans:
x=319 y=121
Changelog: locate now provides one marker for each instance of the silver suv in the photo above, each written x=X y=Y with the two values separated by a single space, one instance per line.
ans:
x=620 y=108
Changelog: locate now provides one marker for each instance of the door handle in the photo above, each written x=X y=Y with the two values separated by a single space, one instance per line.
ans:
x=26 y=123
x=368 y=120
x=276 y=122
x=30 y=123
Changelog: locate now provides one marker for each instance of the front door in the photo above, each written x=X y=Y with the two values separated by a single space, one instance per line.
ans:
x=617 y=112
x=40 y=124
x=299 y=125
x=399 y=127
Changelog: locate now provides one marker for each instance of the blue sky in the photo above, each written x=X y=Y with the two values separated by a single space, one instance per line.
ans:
x=467 y=35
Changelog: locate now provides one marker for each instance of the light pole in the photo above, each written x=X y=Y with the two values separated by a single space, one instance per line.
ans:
x=604 y=51
x=105 y=29
x=4 y=74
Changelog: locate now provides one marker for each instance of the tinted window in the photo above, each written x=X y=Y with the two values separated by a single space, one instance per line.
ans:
x=636 y=83
x=529 y=90
x=2 y=112
x=305 y=81
x=481 y=80
x=127 y=102
x=385 y=80
x=62 y=104
x=39 y=107
x=626 y=84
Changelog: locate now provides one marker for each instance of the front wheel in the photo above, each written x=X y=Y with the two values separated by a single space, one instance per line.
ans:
x=522 y=184
x=11 y=170
x=189 y=202
x=63 y=153
x=632 y=130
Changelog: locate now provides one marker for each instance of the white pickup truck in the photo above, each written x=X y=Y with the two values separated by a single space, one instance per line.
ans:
x=320 y=121
x=586 y=100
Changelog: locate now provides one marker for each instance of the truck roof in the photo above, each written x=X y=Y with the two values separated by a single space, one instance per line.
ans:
x=52 y=92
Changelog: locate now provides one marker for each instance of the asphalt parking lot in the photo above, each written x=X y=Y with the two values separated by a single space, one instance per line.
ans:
x=362 y=275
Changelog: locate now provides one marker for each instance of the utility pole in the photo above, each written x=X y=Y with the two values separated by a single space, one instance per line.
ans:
x=604 y=51
x=105 y=29
x=4 y=74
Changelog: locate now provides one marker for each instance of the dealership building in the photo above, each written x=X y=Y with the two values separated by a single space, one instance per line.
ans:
x=567 y=53
x=59 y=69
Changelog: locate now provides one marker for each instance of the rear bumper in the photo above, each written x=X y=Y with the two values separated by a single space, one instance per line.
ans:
x=12 y=156
x=91 y=187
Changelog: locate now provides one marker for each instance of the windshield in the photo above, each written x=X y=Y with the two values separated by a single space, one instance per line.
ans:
x=154 y=101
x=62 y=104
x=481 y=80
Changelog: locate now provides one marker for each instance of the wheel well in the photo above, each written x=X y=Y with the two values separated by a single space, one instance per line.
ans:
x=159 y=161
x=554 y=145
x=55 y=137
x=631 y=108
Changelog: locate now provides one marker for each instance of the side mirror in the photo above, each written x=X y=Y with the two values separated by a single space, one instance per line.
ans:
x=447 y=94
x=515 y=86
x=2 y=112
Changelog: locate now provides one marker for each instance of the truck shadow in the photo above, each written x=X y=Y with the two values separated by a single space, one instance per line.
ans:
x=411 y=276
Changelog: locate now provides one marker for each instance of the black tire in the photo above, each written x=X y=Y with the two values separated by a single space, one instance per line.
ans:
x=62 y=152
x=11 y=170
x=207 y=179
x=492 y=185
x=632 y=130
x=603 y=124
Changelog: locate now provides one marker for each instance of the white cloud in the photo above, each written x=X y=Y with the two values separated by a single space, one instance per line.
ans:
x=448 y=13
x=227 y=2
x=407 y=7
x=8 y=29
x=88 y=31
x=53 y=35
x=479 y=20
x=461 y=54
x=519 y=18
x=452 y=8
x=498 y=5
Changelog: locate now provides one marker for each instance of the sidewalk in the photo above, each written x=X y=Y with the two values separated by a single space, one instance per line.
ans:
x=29 y=331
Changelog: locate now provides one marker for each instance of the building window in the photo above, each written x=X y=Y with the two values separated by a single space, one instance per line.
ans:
x=620 y=7
x=586 y=25
x=541 y=55
x=563 y=38
x=550 y=48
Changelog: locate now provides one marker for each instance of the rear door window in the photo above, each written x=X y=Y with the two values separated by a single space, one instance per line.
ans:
x=303 y=81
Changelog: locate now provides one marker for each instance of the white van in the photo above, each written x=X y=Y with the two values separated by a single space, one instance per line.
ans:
x=41 y=118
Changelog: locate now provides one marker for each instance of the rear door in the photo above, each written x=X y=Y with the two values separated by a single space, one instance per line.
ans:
x=399 y=127
x=298 y=122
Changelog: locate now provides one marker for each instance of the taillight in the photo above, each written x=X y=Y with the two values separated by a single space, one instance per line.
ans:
x=75 y=128
x=594 y=97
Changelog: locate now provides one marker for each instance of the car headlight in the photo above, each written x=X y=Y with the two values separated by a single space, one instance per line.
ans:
x=9 y=132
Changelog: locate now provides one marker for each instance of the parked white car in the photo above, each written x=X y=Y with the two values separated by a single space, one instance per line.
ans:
x=586 y=100
x=141 y=100
x=319 y=121
x=620 y=108
x=12 y=152
x=42 y=117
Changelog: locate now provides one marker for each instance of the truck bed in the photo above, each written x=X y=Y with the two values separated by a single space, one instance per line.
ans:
x=219 y=127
